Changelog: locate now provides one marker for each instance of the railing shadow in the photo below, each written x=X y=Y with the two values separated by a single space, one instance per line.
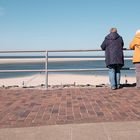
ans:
x=128 y=85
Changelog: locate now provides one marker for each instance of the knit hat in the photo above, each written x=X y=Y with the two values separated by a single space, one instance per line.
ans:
x=138 y=31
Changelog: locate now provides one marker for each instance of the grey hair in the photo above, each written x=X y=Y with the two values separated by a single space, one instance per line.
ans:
x=138 y=31
x=112 y=30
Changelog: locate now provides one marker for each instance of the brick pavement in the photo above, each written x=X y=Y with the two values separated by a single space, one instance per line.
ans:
x=32 y=107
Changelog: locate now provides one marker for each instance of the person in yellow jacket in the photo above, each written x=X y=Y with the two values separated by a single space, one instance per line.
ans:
x=135 y=45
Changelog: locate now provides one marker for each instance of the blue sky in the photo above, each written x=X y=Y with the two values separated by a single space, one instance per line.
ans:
x=65 y=24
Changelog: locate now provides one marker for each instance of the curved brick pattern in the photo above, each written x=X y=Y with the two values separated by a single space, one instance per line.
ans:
x=30 y=107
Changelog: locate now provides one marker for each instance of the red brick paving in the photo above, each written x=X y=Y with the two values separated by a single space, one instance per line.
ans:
x=30 y=107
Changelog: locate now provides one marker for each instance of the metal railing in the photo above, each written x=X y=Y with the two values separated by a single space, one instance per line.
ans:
x=46 y=70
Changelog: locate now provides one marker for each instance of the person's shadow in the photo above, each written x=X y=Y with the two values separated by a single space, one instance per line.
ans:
x=128 y=85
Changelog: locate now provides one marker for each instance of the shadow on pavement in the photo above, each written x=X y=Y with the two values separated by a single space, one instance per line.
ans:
x=128 y=85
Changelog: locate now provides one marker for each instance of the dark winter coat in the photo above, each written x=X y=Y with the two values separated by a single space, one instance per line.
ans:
x=113 y=46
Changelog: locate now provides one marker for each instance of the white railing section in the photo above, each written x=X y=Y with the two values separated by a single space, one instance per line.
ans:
x=46 y=70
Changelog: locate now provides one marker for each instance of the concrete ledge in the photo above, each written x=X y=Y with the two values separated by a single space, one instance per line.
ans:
x=90 y=131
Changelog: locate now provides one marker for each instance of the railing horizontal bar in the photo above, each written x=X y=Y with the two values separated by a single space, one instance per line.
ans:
x=84 y=50
x=73 y=50
x=128 y=68
x=62 y=70
x=22 y=51
x=41 y=70
x=31 y=51
x=78 y=70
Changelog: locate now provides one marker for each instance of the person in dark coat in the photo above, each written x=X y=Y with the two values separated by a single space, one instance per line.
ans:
x=114 y=58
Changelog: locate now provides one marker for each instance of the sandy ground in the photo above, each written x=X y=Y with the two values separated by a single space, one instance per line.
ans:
x=61 y=79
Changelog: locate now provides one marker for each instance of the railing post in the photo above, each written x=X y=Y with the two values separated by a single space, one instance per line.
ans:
x=46 y=71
